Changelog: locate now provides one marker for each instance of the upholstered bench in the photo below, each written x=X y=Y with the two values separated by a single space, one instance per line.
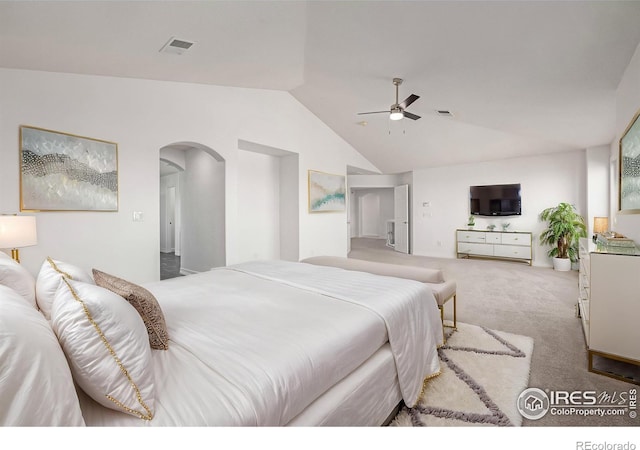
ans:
x=443 y=290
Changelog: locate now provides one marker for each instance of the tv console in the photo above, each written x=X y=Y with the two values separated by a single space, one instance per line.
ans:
x=508 y=245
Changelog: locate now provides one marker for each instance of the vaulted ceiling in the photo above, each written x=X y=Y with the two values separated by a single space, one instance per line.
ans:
x=520 y=77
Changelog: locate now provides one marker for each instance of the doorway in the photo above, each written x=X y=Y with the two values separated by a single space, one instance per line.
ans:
x=169 y=219
x=192 y=207
x=381 y=216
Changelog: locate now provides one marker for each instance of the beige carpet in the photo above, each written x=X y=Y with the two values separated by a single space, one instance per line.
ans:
x=532 y=301
x=482 y=374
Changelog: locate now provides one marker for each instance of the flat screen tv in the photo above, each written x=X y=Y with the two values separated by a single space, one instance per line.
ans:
x=495 y=200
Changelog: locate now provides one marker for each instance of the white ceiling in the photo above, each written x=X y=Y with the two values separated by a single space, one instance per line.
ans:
x=521 y=77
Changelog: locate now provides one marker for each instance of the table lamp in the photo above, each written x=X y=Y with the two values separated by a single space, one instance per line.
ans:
x=17 y=231
x=600 y=225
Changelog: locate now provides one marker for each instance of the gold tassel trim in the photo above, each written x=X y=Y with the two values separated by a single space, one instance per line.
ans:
x=424 y=385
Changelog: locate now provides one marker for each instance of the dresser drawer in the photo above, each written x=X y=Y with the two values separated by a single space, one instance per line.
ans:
x=585 y=265
x=472 y=248
x=516 y=238
x=471 y=236
x=512 y=251
x=493 y=237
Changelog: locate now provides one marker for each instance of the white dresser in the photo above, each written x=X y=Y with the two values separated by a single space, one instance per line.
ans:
x=514 y=245
x=609 y=303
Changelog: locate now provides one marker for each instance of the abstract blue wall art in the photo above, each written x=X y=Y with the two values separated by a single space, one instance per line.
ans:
x=326 y=192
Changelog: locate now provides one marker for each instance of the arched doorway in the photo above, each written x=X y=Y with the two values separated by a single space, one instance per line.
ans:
x=196 y=196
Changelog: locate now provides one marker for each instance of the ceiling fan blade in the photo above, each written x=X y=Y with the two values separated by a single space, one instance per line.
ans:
x=374 y=112
x=409 y=100
x=408 y=115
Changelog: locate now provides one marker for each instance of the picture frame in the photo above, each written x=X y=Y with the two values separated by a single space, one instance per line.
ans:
x=327 y=192
x=629 y=169
x=65 y=172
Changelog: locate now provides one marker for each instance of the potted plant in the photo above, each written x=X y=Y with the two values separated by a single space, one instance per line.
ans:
x=564 y=227
x=471 y=222
x=491 y=227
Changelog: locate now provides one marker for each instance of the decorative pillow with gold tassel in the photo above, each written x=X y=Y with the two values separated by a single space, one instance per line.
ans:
x=107 y=347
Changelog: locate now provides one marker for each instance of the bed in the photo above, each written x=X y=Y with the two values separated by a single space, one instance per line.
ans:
x=263 y=343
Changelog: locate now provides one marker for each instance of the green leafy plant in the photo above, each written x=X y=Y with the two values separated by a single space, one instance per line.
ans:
x=564 y=228
x=491 y=227
x=472 y=221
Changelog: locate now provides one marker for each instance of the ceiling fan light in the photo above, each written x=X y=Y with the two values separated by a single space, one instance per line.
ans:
x=396 y=114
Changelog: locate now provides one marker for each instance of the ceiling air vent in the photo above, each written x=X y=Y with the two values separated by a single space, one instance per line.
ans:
x=177 y=46
x=444 y=113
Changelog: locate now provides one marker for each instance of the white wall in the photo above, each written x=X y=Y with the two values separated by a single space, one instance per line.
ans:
x=597 y=160
x=289 y=208
x=545 y=181
x=203 y=212
x=143 y=116
x=373 y=181
x=259 y=203
x=271 y=176
x=627 y=105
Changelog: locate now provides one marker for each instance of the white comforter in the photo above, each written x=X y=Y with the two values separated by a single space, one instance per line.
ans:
x=256 y=343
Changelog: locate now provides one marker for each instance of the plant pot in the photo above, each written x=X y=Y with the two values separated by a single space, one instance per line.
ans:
x=470 y=227
x=562 y=264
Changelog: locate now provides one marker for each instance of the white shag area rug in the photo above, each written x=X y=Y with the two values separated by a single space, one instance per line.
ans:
x=482 y=374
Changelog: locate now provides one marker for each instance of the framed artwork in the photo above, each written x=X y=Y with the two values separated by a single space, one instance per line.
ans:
x=64 y=172
x=326 y=192
x=629 y=173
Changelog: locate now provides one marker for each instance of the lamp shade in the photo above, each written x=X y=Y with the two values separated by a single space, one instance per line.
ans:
x=600 y=224
x=17 y=231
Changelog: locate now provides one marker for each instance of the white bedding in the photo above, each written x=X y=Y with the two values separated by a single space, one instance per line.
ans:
x=363 y=399
x=257 y=343
x=409 y=311
x=36 y=388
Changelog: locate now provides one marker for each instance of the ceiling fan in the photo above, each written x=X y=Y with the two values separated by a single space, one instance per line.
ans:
x=397 y=110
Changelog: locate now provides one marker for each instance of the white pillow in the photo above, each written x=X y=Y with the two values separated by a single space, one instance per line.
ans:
x=36 y=387
x=18 y=278
x=51 y=273
x=107 y=347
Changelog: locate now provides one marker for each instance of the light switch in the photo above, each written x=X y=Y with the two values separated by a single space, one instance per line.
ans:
x=138 y=216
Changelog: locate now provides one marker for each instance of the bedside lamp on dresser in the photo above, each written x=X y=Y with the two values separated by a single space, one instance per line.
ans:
x=600 y=225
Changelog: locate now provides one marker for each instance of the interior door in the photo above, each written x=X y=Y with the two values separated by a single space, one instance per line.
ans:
x=349 y=214
x=171 y=217
x=401 y=218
